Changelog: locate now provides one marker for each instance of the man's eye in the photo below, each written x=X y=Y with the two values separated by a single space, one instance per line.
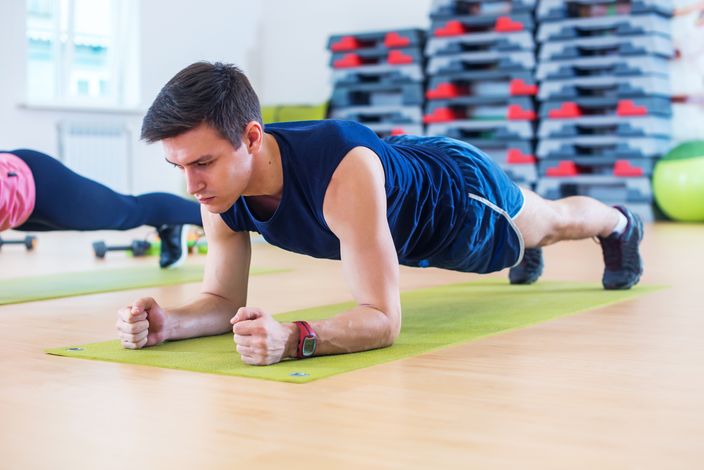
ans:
x=203 y=164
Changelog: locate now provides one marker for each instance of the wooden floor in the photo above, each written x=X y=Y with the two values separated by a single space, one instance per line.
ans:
x=616 y=387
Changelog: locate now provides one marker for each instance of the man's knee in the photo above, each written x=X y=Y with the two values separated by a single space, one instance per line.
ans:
x=542 y=221
x=559 y=222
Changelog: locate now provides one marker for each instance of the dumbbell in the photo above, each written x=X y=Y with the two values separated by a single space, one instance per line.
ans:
x=137 y=247
x=199 y=246
x=29 y=242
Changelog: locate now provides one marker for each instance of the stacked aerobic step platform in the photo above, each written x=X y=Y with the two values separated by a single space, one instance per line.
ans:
x=604 y=98
x=481 y=86
x=378 y=80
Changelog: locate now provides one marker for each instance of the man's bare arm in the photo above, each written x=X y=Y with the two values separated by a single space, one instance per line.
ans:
x=224 y=287
x=355 y=210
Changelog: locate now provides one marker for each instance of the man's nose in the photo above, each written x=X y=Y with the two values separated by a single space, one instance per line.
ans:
x=193 y=184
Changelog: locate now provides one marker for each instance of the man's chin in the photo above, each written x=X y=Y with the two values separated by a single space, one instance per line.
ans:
x=215 y=209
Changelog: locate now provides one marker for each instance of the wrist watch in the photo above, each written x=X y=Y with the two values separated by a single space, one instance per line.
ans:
x=307 y=340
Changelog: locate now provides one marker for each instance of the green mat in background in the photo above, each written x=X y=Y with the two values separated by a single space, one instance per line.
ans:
x=294 y=112
x=32 y=288
x=433 y=318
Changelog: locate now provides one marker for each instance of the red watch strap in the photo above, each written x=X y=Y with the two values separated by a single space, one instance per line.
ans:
x=304 y=330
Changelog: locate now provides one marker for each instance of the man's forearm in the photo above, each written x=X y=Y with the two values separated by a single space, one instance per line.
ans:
x=207 y=315
x=359 y=329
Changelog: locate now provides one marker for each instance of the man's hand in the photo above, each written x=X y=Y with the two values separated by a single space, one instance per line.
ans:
x=141 y=324
x=260 y=339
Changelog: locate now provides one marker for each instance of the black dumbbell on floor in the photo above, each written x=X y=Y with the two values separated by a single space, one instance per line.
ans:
x=137 y=247
x=29 y=242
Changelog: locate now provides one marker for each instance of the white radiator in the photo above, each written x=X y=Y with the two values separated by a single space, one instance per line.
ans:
x=99 y=151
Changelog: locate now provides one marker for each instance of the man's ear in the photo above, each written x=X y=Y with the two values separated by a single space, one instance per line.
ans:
x=253 y=136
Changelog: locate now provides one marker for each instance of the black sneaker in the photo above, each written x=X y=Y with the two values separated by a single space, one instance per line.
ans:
x=173 y=245
x=529 y=269
x=622 y=262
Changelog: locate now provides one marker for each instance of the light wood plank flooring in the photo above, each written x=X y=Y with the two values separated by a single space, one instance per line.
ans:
x=615 y=387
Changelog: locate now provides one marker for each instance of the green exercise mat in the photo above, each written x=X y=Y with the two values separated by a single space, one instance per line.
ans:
x=32 y=288
x=432 y=318
x=300 y=112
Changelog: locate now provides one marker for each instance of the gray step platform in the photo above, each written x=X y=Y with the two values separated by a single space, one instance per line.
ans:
x=650 y=126
x=604 y=188
x=634 y=195
x=614 y=66
x=443 y=9
x=481 y=61
x=555 y=10
x=606 y=107
x=505 y=152
x=366 y=57
x=472 y=131
x=618 y=25
x=607 y=46
x=373 y=94
x=611 y=87
x=387 y=74
x=590 y=165
x=379 y=40
x=385 y=130
x=493 y=23
x=485 y=72
x=517 y=108
x=380 y=114
x=463 y=84
x=602 y=146
x=478 y=42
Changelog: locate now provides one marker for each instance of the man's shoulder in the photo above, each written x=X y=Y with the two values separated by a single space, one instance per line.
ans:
x=361 y=165
x=328 y=127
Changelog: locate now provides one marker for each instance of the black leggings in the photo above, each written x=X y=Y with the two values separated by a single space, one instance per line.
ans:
x=68 y=201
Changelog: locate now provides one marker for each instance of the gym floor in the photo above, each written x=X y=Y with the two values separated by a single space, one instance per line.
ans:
x=614 y=387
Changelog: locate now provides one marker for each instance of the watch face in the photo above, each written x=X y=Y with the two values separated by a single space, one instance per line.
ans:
x=309 y=344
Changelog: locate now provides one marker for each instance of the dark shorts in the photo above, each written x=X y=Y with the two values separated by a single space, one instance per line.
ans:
x=489 y=240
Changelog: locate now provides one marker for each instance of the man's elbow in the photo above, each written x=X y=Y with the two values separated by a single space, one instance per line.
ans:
x=385 y=327
x=393 y=327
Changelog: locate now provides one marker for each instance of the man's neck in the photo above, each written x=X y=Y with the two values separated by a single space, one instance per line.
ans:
x=268 y=171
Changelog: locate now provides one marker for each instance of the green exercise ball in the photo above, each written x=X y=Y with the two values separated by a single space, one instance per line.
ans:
x=678 y=182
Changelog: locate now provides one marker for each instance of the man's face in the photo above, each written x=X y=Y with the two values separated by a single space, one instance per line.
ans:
x=216 y=173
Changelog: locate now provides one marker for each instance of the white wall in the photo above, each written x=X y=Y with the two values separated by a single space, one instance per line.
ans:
x=280 y=44
x=172 y=37
x=292 y=56
x=178 y=33
x=19 y=128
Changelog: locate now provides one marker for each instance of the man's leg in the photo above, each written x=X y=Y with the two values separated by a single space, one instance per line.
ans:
x=543 y=222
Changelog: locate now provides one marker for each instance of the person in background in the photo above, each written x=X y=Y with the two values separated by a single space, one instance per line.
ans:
x=38 y=194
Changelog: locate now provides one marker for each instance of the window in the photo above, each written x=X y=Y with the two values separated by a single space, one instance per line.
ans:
x=82 y=53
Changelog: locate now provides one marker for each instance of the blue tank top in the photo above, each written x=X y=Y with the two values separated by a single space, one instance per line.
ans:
x=426 y=198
